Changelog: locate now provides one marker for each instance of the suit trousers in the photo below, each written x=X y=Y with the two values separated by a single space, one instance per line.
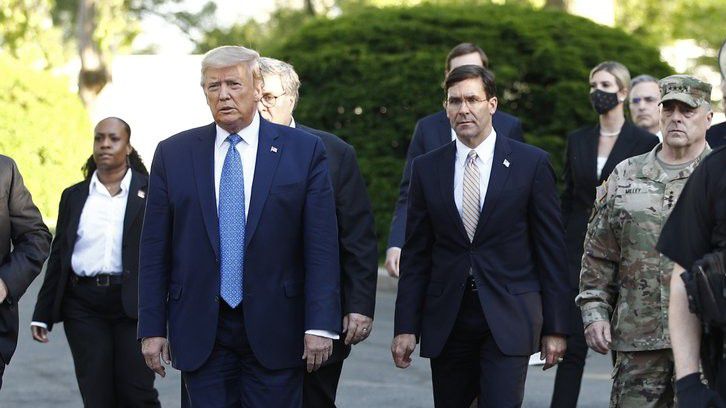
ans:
x=233 y=378
x=471 y=364
x=2 y=370
x=110 y=368
x=321 y=386
x=569 y=372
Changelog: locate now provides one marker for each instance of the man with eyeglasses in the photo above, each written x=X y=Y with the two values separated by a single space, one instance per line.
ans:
x=483 y=281
x=644 y=99
x=358 y=247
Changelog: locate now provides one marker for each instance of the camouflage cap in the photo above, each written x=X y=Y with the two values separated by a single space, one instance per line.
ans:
x=685 y=88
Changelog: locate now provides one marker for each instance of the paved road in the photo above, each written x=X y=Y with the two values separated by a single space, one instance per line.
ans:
x=41 y=375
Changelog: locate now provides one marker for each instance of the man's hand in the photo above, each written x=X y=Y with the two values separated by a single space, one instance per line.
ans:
x=691 y=392
x=401 y=348
x=317 y=351
x=357 y=327
x=393 y=257
x=553 y=348
x=156 y=349
x=4 y=290
x=40 y=334
x=598 y=336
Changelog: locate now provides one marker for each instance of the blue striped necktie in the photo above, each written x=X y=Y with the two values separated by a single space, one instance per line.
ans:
x=232 y=224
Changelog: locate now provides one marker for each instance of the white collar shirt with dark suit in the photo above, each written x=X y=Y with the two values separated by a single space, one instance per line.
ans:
x=484 y=157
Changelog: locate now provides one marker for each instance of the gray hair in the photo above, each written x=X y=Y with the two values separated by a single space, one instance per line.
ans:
x=230 y=56
x=288 y=77
x=642 y=79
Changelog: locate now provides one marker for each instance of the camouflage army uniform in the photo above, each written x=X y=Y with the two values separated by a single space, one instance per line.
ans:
x=626 y=281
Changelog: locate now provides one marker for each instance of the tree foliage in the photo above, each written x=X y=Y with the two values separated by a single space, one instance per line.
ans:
x=369 y=75
x=44 y=127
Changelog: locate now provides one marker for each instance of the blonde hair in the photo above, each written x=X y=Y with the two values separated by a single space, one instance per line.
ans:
x=230 y=56
x=616 y=69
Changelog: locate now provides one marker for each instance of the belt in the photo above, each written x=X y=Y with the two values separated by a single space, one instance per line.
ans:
x=102 y=279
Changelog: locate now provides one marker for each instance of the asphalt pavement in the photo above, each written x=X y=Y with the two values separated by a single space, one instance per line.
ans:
x=42 y=376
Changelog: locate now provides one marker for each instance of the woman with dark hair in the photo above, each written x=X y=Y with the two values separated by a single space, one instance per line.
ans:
x=91 y=281
x=592 y=154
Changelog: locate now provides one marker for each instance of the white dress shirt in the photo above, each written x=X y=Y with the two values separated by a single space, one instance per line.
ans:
x=485 y=156
x=660 y=136
x=247 y=149
x=99 y=237
x=101 y=229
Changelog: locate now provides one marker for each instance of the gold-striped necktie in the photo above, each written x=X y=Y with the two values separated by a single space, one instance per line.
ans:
x=470 y=201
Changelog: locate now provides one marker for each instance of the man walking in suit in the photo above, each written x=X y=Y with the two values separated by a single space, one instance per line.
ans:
x=432 y=132
x=356 y=232
x=22 y=227
x=239 y=250
x=483 y=272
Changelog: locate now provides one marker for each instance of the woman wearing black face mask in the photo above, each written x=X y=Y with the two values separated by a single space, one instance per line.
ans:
x=592 y=153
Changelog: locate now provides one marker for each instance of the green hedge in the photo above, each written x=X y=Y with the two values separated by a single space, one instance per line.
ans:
x=368 y=76
x=45 y=129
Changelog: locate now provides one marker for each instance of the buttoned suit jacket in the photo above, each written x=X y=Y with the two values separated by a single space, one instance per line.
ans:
x=432 y=132
x=581 y=180
x=356 y=233
x=517 y=256
x=48 y=307
x=24 y=244
x=291 y=266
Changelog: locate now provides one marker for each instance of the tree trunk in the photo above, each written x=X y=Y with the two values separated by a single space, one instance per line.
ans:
x=310 y=7
x=557 y=4
x=94 y=74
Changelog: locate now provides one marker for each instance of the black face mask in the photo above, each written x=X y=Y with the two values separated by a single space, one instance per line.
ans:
x=603 y=102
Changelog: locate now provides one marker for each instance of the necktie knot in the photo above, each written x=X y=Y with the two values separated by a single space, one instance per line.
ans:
x=233 y=139
x=471 y=157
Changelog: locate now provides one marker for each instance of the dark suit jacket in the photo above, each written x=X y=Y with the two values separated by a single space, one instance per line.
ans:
x=22 y=226
x=356 y=233
x=432 y=132
x=716 y=135
x=517 y=256
x=291 y=266
x=581 y=179
x=48 y=308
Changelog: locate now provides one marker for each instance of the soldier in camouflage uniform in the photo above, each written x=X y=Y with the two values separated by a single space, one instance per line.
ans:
x=624 y=280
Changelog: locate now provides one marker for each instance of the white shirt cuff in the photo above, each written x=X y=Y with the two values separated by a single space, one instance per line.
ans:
x=323 y=333
x=39 y=324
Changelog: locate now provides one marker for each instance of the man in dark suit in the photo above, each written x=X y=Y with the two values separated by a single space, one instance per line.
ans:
x=21 y=227
x=716 y=134
x=483 y=272
x=249 y=285
x=356 y=231
x=432 y=132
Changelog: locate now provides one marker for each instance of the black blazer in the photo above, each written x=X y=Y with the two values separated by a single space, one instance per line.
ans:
x=22 y=226
x=517 y=256
x=581 y=180
x=432 y=132
x=716 y=135
x=356 y=232
x=57 y=275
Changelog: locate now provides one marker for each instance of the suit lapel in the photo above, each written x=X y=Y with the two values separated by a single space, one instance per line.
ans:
x=77 y=200
x=446 y=185
x=443 y=129
x=622 y=149
x=589 y=153
x=265 y=166
x=497 y=180
x=203 y=162
x=135 y=201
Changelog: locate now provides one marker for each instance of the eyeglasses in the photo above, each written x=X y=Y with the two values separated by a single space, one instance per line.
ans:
x=455 y=103
x=646 y=99
x=270 y=100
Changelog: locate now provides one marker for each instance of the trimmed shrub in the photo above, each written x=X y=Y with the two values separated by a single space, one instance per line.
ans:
x=45 y=129
x=369 y=75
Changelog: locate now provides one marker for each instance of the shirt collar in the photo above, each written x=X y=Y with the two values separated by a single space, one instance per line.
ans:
x=485 y=150
x=292 y=122
x=249 y=135
x=98 y=187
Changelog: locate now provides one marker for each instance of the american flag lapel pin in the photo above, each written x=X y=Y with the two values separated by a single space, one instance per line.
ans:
x=273 y=149
x=141 y=194
x=506 y=163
